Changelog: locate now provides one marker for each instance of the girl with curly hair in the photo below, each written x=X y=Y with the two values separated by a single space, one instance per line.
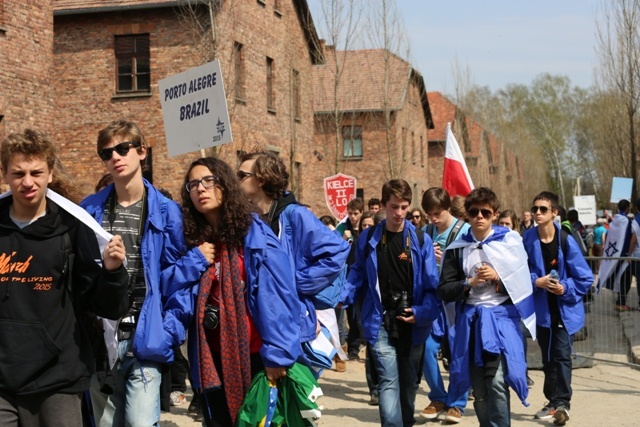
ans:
x=246 y=310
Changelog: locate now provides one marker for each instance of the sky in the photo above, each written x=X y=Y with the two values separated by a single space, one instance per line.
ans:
x=499 y=42
x=502 y=42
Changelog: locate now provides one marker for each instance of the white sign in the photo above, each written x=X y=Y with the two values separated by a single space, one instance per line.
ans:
x=621 y=189
x=586 y=207
x=194 y=109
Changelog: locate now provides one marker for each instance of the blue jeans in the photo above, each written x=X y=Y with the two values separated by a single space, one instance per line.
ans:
x=136 y=397
x=491 y=393
x=432 y=375
x=555 y=344
x=398 y=380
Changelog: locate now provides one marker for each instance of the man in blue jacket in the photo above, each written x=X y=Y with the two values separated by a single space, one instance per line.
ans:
x=156 y=322
x=316 y=253
x=396 y=275
x=558 y=300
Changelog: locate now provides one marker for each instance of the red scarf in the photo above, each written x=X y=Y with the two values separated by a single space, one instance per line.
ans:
x=234 y=337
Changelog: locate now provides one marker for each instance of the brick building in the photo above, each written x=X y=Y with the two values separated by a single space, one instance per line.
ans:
x=370 y=123
x=109 y=56
x=26 y=66
x=490 y=162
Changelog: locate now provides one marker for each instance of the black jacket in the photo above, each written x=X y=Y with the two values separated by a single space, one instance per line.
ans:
x=44 y=334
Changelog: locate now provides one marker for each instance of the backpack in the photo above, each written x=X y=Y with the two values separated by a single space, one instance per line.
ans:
x=564 y=232
x=431 y=229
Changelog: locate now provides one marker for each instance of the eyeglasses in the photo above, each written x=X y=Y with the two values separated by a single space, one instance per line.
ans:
x=486 y=213
x=416 y=216
x=207 y=182
x=242 y=175
x=543 y=209
x=122 y=149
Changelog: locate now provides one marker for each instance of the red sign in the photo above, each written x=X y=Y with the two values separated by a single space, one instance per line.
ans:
x=339 y=190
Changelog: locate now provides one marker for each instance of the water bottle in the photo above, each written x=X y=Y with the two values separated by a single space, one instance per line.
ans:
x=553 y=275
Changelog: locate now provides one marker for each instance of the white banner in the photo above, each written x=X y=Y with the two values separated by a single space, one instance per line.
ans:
x=586 y=207
x=194 y=109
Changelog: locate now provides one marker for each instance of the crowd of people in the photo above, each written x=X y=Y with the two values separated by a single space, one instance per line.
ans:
x=251 y=279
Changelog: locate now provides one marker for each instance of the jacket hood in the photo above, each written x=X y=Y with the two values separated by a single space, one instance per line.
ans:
x=281 y=204
x=45 y=227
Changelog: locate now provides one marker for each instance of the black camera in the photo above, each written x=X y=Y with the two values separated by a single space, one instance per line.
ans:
x=402 y=301
x=211 y=317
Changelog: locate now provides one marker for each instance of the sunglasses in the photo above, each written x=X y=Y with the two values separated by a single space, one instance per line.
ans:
x=543 y=209
x=207 y=182
x=486 y=213
x=416 y=216
x=242 y=175
x=122 y=149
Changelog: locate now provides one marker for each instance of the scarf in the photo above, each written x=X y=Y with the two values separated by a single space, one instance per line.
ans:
x=234 y=337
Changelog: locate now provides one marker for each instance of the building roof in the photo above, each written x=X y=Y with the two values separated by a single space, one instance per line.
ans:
x=361 y=84
x=62 y=7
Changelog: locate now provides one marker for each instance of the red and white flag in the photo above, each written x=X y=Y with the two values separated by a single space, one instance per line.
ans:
x=455 y=178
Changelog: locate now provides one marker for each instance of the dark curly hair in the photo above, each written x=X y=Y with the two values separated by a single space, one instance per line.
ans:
x=270 y=171
x=235 y=211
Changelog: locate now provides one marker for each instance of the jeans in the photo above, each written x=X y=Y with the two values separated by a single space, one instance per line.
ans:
x=342 y=332
x=136 y=397
x=555 y=344
x=491 y=393
x=398 y=380
x=370 y=372
x=433 y=377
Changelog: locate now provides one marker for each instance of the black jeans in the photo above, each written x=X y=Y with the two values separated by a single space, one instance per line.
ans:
x=40 y=410
x=555 y=344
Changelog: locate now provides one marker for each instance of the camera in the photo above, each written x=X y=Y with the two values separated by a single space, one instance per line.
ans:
x=211 y=317
x=402 y=302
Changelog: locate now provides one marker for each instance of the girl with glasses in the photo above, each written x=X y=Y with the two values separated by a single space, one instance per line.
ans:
x=246 y=309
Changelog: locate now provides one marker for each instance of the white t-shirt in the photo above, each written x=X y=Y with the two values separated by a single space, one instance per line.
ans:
x=484 y=294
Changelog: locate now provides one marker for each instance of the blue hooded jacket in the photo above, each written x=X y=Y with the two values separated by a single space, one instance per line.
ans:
x=363 y=279
x=165 y=313
x=271 y=298
x=316 y=255
x=575 y=276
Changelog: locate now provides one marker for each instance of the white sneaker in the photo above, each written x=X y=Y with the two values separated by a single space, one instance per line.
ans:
x=177 y=398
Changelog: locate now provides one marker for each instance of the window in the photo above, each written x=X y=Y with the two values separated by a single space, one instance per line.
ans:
x=295 y=94
x=238 y=61
x=277 y=8
x=421 y=151
x=413 y=148
x=404 y=144
x=352 y=141
x=133 y=63
x=2 y=21
x=271 y=98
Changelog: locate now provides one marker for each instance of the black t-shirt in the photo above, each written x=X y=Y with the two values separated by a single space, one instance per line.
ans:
x=550 y=258
x=395 y=270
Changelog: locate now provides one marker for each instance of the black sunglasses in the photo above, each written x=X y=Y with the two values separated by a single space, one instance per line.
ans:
x=416 y=216
x=242 y=175
x=122 y=149
x=486 y=213
x=543 y=209
x=207 y=182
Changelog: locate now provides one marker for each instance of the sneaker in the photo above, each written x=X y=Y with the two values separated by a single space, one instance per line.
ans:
x=194 y=406
x=453 y=415
x=470 y=395
x=177 y=398
x=374 y=401
x=561 y=416
x=545 y=413
x=530 y=382
x=433 y=411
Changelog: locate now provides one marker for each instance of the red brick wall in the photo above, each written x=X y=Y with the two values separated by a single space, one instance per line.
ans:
x=85 y=66
x=372 y=170
x=25 y=66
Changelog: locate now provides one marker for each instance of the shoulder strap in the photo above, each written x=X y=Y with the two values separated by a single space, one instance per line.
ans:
x=431 y=228
x=67 y=271
x=563 y=239
x=420 y=235
x=369 y=236
x=454 y=232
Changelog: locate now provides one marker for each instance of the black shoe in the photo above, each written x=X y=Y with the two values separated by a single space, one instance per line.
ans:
x=194 y=407
x=374 y=401
x=530 y=382
x=353 y=355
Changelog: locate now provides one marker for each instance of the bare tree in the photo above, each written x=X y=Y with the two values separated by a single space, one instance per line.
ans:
x=618 y=36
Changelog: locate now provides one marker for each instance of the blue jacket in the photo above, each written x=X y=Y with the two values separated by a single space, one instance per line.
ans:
x=271 y=298
x=575 y=276
x=165 y=313
x=363 y=279
x=316 y=255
